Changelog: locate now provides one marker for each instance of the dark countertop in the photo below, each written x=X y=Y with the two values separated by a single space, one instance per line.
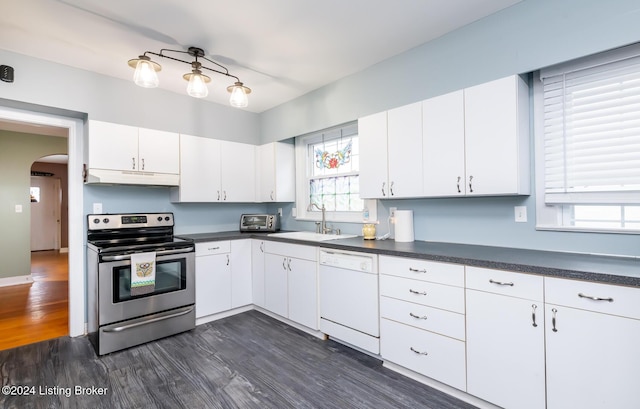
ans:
x=591 y=267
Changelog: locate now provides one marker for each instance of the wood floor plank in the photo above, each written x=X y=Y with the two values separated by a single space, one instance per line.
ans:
x=246 y=361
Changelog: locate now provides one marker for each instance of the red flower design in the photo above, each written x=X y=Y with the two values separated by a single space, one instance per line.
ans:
x=333 y=163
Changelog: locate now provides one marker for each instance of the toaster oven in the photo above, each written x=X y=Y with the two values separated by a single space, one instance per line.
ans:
x=259 y=223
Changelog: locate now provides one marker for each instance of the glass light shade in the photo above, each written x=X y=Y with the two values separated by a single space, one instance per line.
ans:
x=238 y=97
x=145 y=74
x=197 y=86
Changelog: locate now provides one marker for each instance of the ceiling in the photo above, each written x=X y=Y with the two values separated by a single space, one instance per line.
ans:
x=281 y=49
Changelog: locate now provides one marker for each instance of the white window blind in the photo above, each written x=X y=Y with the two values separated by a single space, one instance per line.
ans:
x=592 y=129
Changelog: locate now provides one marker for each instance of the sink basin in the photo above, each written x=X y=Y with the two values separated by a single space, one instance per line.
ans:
x=311 y=236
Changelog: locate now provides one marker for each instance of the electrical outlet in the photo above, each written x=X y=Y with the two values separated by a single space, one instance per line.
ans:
x=280 y=211
x=97 y=208
x=392 y=211
x=520 y=214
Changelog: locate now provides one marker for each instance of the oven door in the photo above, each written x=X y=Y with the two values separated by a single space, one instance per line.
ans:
x=174 y=287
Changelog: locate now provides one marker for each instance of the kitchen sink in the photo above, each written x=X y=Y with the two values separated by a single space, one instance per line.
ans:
x=311 y=236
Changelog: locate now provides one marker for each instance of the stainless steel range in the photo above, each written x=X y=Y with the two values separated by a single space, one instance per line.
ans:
x=141 y=280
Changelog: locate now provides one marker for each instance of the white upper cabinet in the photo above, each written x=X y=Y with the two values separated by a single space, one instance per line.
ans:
x=128 y=148
x=391 y=153
x=404 y=143
x=276 y=172
x=497 y=137
x=215 y=171
x=443 y=145
x=374 y=178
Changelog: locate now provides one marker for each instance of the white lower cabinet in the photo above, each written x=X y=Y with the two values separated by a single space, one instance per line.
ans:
x=257 y=271
x=422 y=318
x=505 y=338
x=213 y=277
x=592 y=344
x=290 y=282
x=223 y=276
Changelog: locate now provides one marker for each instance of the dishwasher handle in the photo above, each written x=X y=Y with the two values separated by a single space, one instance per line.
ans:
x=348 y=261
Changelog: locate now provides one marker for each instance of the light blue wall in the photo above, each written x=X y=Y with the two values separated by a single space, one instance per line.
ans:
x=525 y=37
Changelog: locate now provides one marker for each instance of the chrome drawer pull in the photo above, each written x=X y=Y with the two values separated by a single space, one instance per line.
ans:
x=415 y=270
x=418 y=352
x=595 y=298
x=533 y=314
x=417 y=292
x=424 y=317
x=213 y=248
x=500 y=282
x=553 y=320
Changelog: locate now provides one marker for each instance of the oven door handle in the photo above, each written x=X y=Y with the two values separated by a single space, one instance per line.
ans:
x=158 y=253
x=182 y=311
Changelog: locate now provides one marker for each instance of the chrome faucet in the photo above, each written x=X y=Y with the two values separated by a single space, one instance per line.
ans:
x=323 y=225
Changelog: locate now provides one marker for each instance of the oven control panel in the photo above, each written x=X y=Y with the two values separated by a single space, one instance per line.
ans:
x=131 y=220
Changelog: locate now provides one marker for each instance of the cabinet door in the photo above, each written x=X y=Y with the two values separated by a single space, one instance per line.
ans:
x=257 y=271
x=241 y=286
x=404 y=144
x=276 y=173
x=113 y=146
x=158 y=151
x=372 y=132
x=505 y=350
x=275 y=284
x=237 y=164
x=592 y=359
x=303 y=292
x=492 y=137
x=213 y=284
x=443 y=145
x=199 y=169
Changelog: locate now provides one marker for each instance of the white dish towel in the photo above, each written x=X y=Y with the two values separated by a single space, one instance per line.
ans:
x=143 y=273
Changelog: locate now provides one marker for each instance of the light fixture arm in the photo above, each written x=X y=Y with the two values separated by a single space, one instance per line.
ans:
x=196 y=53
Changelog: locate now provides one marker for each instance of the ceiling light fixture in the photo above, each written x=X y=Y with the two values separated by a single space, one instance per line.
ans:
x=146 y=69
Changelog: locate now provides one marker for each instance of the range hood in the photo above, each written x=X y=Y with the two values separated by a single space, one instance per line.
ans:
x=124 y=177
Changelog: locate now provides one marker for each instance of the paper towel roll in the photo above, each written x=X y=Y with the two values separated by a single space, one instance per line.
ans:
x=404 y=225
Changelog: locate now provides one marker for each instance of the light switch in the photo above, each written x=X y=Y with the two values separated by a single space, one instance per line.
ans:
x=521 y=214
x=18 y=208
x=97 y=208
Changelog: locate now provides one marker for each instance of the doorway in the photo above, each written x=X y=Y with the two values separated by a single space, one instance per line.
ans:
x=76 y=258
x=46 y=212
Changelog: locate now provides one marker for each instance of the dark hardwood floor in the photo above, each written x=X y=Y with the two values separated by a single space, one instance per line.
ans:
x=245 y=361
x=40 y=310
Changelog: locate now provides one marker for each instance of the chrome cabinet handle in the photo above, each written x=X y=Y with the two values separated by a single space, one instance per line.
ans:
x=142 y=163
x=500 y=282
x=470 y=184
x=289 y=264
x=590 y=297
x=225 y=195
x=415 y=270
x=533 y=314
x=418 y=317
x=228 y=261
x=262 y=246
x=383 y=185
x=133 y=163
x=218 y=195
x=284 y=263
x=417 y=292
x=553 y=320
x=458 y=184
x=271 y=195
x=391 y=189
x=418 y=352
x=213 y=248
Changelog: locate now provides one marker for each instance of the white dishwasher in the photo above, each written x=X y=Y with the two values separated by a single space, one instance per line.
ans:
x=349 y=306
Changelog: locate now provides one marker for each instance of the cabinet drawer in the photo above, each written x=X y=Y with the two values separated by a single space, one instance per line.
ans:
x=213 y=247
x=605 y=298
x=425 y=293
x=429 y=354
x=432 y=319
x=506 y=283
x=291 y=250
x=442 y=273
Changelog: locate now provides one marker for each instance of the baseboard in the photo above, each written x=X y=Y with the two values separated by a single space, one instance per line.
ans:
x=224 y=314
x=17 y=280
x=64 y=250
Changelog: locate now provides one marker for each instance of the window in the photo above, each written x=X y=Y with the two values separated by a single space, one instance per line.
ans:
x=591 y=144
x=328 y=174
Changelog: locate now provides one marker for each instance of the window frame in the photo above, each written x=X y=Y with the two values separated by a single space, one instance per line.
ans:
x=303 y=163
x=553 y=217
